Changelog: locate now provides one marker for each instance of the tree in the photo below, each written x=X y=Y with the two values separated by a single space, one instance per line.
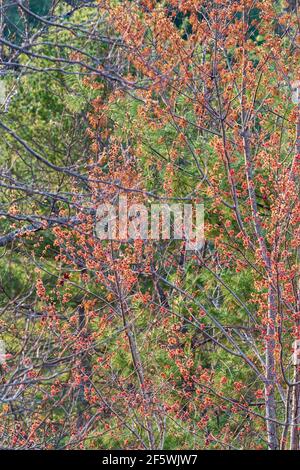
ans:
x=141 y=343
x=221 y=88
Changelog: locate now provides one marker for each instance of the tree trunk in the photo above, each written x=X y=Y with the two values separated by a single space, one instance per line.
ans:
x=270 y=373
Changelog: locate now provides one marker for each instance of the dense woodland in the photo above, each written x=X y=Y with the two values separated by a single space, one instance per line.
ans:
x=143 y=344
